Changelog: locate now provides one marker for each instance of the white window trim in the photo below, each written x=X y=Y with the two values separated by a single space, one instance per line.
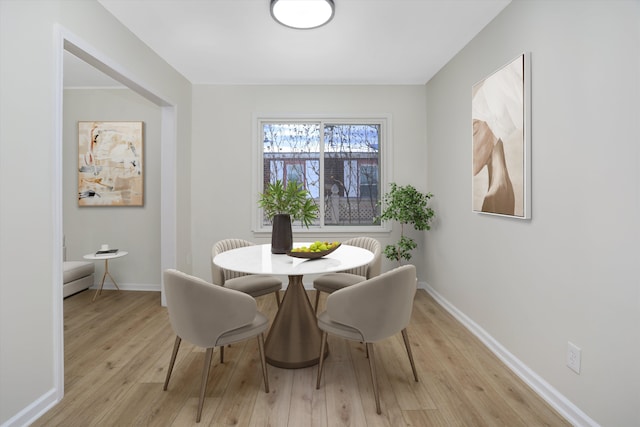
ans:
x=385 y=168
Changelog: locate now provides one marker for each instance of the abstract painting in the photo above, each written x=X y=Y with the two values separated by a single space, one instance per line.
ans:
x=500 y=124
x=110 y=164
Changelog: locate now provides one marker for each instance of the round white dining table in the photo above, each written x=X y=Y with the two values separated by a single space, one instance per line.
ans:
x=294 y=337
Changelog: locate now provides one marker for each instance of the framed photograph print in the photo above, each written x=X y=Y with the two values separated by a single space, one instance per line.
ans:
x=110 y=164
x=501 y=141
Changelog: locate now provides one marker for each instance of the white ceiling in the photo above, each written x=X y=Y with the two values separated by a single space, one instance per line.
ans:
x=237 y=41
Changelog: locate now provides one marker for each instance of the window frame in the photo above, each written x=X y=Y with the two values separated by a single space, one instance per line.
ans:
x=384 y=167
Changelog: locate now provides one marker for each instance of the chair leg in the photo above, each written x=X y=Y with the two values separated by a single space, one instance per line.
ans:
x=374 y=376
x=317 y=300
x=405 y=337
x=323 y=345
x=205 y=377
x=176 y=346
x=277 y=298
x=263 y=361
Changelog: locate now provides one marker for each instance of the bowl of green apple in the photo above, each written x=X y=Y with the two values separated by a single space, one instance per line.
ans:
x=317 y=249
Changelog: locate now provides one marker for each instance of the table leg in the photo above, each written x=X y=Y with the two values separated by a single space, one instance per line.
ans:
x=294 y=338
x=106 y=272
x=104 y=276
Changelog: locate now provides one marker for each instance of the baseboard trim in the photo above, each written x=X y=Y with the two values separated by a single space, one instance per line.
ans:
x=130 y=287
x=34 y=410
x=558 y=401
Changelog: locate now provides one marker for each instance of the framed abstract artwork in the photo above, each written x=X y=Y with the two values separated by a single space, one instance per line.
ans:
x=501 y=183
x=110 y=164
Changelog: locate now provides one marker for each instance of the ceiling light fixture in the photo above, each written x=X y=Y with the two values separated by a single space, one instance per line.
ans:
x=302 y=14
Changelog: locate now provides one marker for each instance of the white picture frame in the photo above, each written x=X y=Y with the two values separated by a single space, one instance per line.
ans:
x=501 y=141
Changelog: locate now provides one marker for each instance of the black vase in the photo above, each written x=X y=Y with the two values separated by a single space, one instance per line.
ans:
x=281 y=235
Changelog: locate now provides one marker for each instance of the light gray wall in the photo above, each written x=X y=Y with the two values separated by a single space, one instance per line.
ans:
x=134 y=229
x=222 y=150
x=571 y=272
x=30 y=254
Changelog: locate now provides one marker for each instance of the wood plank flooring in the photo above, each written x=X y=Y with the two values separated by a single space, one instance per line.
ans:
x=117 y=350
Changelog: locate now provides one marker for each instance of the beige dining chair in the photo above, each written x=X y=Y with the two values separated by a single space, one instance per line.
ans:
x=211 y=316
x=253 y=284
x=331 y=282
x=371 y=311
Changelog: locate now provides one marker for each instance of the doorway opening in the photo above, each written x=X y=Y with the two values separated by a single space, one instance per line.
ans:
x=70 y=43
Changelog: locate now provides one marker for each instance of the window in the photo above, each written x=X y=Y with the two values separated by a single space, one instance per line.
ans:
x=340 y=163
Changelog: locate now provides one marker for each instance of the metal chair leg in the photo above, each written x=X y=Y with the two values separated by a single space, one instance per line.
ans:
x=176 y=346
x=263 y=361
x=374 y=380
x=323 y=345
x=205 y=377
x=405 y=337
x=277 y=298
x=317 y=300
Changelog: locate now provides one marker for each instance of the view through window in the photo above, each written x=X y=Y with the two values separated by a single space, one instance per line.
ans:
x=338 y=163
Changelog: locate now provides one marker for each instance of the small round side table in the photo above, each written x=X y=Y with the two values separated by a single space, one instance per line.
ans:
x=106 y=258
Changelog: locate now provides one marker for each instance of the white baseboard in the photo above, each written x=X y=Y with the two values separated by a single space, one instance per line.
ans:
x=559 y=402
x=34 y=411
x=129 y=287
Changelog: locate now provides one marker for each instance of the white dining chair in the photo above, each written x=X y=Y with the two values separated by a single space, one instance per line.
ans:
x=371 y=311
x=253 y=284
x=211 y=316
x=331 y=282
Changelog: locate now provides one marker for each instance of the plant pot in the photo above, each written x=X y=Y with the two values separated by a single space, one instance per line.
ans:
x=281 y=234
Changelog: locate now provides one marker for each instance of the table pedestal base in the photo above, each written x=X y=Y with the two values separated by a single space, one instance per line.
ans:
x=294 y=338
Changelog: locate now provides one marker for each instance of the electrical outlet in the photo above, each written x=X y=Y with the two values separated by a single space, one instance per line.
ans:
x=574 y=353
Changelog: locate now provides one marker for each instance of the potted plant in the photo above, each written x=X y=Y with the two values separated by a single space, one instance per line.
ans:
x=407 y=206
x=283 y=205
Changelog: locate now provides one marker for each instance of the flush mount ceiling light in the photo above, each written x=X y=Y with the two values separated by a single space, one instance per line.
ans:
x=302 y=14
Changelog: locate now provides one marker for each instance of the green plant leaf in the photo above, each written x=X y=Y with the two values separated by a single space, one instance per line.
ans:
x=405 y=205
x=293 y=200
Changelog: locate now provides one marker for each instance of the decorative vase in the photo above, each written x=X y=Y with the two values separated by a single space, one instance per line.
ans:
x=281 y=234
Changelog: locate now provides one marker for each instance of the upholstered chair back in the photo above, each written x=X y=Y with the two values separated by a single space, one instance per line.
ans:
x=373 y=268
x=201 y=312
x=220 y=275
x=379 y=307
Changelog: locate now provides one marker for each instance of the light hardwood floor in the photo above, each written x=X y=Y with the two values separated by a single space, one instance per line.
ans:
x=117 y=350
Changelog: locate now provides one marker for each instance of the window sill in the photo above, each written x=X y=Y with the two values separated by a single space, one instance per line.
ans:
x=334 y=231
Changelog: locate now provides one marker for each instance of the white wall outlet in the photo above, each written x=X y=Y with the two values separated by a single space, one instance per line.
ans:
x=574 y=353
